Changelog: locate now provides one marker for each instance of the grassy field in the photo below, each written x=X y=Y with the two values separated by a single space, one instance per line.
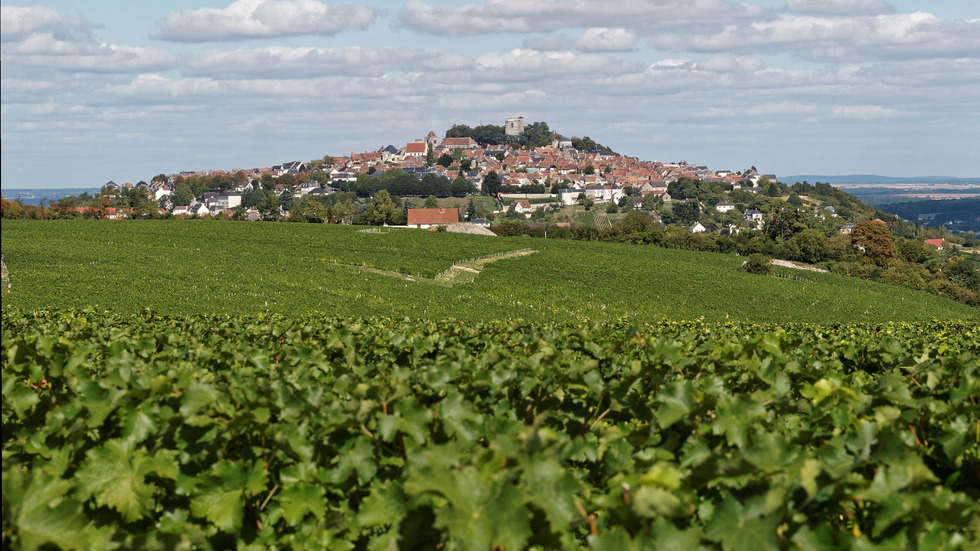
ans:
x=180 y=267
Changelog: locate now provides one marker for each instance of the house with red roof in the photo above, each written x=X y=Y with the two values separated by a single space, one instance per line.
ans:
x=427 y=218
x=939 y=244
x=416 y=150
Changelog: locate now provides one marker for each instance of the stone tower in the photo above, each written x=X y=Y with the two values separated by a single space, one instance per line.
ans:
x=514 y=127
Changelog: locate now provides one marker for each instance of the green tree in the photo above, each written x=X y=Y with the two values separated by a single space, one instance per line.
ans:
x=963 y=273
x=471 y=210
x=809 y=246
x=141 y=203
x=431 y=202
x=321 y=177
x=635 y=222
x=286 y=200
x=459 y=187
x=288 y=181
x=491 y=183
x=315 y=211
x=382 y=209
x=445 y=160
x=269 y=207
x=343 y=212
x=652 y=201
x=686 y=212
x=182 y=195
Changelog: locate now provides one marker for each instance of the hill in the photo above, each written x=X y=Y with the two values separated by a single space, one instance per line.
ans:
x=184 y=267
x=876 y=179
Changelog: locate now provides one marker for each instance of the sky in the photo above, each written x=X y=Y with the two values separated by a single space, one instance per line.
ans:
x=99 y=90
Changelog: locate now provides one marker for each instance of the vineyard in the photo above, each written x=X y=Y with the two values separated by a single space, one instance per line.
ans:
x=216 y=385
x=187 y=267
x=595 y=219
x=141 y=431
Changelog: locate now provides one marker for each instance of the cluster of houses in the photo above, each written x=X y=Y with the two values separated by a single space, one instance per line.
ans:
x=601 y=176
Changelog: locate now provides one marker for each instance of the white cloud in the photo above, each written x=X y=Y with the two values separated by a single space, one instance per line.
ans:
x=781 y=109
x=898 y=36
x=298 y=63
x=839 y=7
x=731 y=64
x=530 y=65
x=522 y=16
x=602 y=39
x=862 y=112
x=19 y=23
x=549 y=42
x=44 y=53
x=251 y=19
x=41 y=40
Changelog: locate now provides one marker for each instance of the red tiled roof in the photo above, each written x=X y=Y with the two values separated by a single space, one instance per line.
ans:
x=459 y=142
x=432 y=216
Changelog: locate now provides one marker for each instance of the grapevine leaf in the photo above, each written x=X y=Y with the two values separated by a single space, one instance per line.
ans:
x=21 y=396
x=40 y=512
x=737 y=529
x=384 y=506
x=652 y=502
x=734 y=417
x=676 y=403
x=196 y=397
x=611 y=540
x=221 y=498
x=115 y=475
x=221 y=507
x=553 y=489
x=665 y=535
x=357 y=455
x=297 y=501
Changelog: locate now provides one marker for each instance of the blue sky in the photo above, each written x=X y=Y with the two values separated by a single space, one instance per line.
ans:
x=105 y=90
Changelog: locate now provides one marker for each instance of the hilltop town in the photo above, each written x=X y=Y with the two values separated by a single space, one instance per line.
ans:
x=520 y=179
x=524 y=176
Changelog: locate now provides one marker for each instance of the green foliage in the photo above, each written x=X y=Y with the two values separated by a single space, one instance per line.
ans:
x=316 y=431
x=382 y=210
x=685 y=213
x=757 y=264
x=491 y=183
x=810 y=246
x=240 y=268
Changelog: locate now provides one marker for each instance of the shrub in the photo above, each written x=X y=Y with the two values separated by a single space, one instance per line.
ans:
x=757 y=264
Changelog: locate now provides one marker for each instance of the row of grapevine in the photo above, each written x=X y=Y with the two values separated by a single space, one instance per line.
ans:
x=213 y=432
x=198 y=266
